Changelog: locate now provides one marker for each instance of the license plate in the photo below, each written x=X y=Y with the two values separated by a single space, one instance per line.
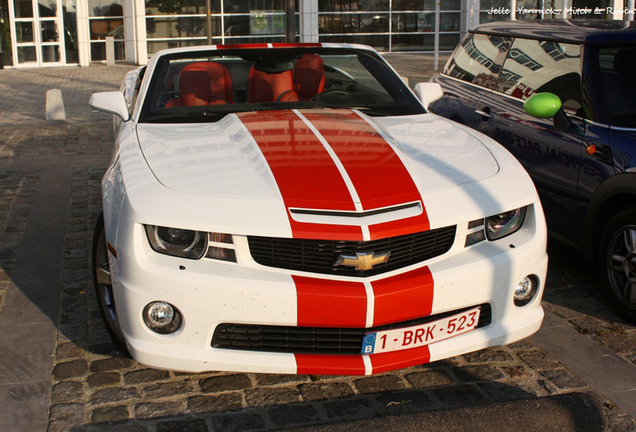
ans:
x=420 y=335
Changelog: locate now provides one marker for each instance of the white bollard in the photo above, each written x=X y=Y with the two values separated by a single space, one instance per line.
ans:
x=55 y=106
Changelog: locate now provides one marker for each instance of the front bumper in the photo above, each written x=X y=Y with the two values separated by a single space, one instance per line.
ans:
x=208 y=293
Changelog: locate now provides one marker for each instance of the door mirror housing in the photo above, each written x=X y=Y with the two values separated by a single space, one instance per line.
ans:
x=542 y=105
x=428 y=93
x=548 y=105
x=112 y=102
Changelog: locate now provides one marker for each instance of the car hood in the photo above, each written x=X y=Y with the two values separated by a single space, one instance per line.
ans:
x=325 y=158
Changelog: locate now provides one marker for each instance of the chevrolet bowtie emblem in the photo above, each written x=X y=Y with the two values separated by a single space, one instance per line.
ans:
x=363 y=260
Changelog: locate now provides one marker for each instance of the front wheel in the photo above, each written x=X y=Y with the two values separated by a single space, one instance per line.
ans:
x=104 y=287
x=617 y=262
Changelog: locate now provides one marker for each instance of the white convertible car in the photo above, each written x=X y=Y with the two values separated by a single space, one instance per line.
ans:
x=293 y=208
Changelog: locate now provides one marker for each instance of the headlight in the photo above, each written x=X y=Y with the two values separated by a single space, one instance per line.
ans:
x=504 y=224
x=177 y=242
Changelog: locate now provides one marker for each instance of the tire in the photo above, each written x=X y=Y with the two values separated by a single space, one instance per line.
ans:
x=104 y=288
x=617 y=262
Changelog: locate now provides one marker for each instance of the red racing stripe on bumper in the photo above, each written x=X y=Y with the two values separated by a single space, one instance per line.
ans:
x=385 y=362
x=329 y=303
x=323 y=364
x=403 y=297
x=319 y=364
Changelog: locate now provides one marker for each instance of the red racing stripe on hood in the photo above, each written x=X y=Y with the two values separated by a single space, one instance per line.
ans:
x=377 y=172
x=306 y=175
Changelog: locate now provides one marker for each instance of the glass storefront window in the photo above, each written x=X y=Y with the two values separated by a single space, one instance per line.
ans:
x=105 y=8
x=23 y=8
x=70 y=31
x=181 y=7
x=191 y=26
x=6 y=50
x=47 y=8
x=98 y=51
x=392 y=25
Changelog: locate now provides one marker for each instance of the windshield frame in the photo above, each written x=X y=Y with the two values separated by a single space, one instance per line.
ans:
x=404 y=101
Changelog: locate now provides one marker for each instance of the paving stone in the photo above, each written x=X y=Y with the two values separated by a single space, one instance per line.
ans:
x=538 y=360
x=112 y=364
x=145 y=375
x=488 y=356
x=350 y=409
x=113 y=394
x=67 y=392
x=516 y=372
x=478 y=373
x=286 y=415
x=103 y=379
x=619 y=343
x=169 y=389
x=269 y=396
x=238 y=423
x=328 y=390
x=154 y=410
x=221 y=402
x=379 y=384
x=225 y=383
x=432 y=378
x=183 y=426
x=72 y=369
x=68 y=351
x=564 y=379
x=109 y=414
x=274 y=379
x=66 y=417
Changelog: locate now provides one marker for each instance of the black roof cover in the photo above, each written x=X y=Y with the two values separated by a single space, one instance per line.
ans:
x=572 y=30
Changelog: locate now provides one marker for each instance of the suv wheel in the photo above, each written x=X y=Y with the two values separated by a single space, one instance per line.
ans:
x=104 y=287
x=617 y=262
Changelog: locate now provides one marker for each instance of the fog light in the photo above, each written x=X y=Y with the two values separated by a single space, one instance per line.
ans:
x=162 y=317
x=525 y=290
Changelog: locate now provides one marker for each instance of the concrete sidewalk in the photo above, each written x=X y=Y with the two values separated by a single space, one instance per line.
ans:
x=60 y=372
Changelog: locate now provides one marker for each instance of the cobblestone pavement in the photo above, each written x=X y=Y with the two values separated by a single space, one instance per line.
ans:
x=95 y=388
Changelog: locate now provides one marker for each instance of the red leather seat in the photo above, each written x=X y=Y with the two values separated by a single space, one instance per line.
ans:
x=274 y=87
x=309 y=76
x=203 y=83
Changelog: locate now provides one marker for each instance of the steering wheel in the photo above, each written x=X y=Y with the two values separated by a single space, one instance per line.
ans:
x=330 y=92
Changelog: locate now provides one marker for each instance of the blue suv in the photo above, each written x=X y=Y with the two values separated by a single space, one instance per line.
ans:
x=561 y=96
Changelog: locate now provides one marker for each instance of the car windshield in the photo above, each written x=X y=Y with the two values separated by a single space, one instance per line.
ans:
x=205 y=86
x=617 y=95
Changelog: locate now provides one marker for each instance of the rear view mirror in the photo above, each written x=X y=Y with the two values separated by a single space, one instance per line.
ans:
x=112 y=102
x=428 y=93
x=542 y=105
x=547 y=105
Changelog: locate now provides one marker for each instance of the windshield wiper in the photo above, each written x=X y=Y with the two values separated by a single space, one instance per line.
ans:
x=367 y=109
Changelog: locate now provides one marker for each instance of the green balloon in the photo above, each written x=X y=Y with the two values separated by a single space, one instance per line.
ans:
x=542 y=105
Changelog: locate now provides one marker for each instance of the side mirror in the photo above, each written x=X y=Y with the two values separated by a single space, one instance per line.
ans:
x=428 y=93
x=110 y=102
x=547 y=105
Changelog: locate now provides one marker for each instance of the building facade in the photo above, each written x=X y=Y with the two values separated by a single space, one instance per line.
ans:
x=40 y=33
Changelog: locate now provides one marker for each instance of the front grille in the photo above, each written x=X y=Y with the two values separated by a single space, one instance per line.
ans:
x=319 y=256
x=317 y=340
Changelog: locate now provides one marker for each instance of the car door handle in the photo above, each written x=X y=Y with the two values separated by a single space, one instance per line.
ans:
x=484 y=114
